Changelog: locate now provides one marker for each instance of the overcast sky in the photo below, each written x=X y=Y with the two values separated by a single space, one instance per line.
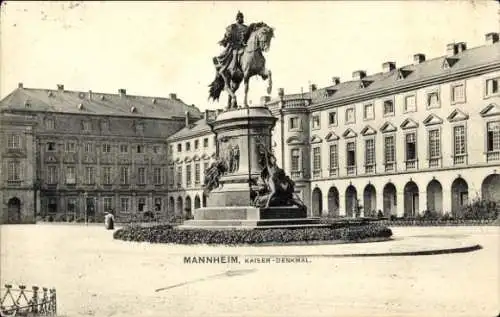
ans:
x=157 y=48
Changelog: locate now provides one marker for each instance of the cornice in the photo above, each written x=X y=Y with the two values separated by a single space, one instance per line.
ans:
x=199 y=134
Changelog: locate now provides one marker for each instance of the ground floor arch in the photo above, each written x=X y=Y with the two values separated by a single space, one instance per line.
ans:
x=197 y=202
x=411 y=196
x=390 y=200
x=317 y=202
x=459 y=196
x=490 y=188
x=351 y=201
x=435 y=197
x=333 y=201
x=14 y=210
x=370 y=201
x=188 y=206
x=171 y=205
x=179 y=208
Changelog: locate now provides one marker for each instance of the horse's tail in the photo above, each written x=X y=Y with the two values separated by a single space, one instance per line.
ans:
x=216 y=87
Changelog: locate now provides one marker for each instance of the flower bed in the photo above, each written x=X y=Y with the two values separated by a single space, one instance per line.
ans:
x=169 y=234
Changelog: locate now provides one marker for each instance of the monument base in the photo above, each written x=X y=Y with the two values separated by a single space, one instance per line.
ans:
x=249 y=217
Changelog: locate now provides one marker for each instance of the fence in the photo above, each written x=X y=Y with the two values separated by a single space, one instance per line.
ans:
x=26 y=302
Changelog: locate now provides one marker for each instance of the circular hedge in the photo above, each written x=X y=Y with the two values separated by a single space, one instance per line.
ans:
x=169 y=234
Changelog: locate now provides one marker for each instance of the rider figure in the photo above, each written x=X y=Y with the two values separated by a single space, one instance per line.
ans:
x=233 y=42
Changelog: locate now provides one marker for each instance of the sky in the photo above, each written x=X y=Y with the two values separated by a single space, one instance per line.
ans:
x=157 y=48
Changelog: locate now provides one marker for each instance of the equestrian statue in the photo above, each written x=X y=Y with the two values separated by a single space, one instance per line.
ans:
x=241 y=59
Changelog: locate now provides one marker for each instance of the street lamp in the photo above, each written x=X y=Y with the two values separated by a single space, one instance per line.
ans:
x=85 y=206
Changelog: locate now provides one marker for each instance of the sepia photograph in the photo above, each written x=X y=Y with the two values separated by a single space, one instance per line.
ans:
x=250 y=158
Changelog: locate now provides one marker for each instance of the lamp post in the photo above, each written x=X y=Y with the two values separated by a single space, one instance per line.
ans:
x=85 y=206
x=36 y=186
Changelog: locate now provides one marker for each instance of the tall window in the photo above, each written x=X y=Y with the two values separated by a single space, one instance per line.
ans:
x=88 y=147
x=369 y=155
x=14 y=141
x=141 y=204
x=70 y=175
x=124 y=175
x=49 y=124
x=458 y=93
x=86 y=126
x=51 y=175
x=349 y=115
x=188 y=146
x=157 y=176
x=171 y=176
x=493 y=137
x=316 y=124
x=179 y=147
x=434 y=144
x=51 y=146
x=196 y=144
x=106 y=148
x=157 y=204
x=89 y=175
x=205 y=142
x=70 y=146
x=124 y=204
x=459 y=146
x=13 y=171
x=410 y=103
x=317 y=158
x=433 y=100
x=389 y=153
x=295 y=153
x=141 y=173
x=388 y=107
x=205 y=168
x=140 y=148
x=332 y=118
x=411 y=147
x=123 y=148
x=197 y=173
x=178 y=177
x=351 y=154
x=368 y=113
x=108 y=203
x=492 y=86
x=106 y=175
x=294 y=123
x=188 y=175
x=334 y=159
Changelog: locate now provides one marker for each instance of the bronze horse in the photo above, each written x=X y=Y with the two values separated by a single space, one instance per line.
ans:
x=251 y=62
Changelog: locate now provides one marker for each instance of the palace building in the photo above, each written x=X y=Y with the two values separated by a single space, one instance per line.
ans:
x=82 y=153
x=424 y=136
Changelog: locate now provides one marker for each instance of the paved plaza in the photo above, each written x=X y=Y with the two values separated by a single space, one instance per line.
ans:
x=97 y=276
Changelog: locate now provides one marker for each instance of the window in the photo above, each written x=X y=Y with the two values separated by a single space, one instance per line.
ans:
x=124 y=205
x=493 y=136
x=70 y=146
x=89 y=175
x=51 y=146
x=170 y=149
x=295 y=155
x=349 y=115
x=141 y=204
x=157 y=204
x=196 y=144
x=294 y=123
x=171 y=176
x=205 y=142
x=86 y=126
x=156 y=149
x=188 y=175
x=433 y=100
x=108 y=203
x=72 y=205
x=188 y=146
x=157 y=173
x=410 y=103
x=334 y=159
x=368 y=113
x=458 y=93
x=123 y=148
x=14 y=141
x=70 y=175
x=205 y=167
x=317 y=158
x=88 y=147
x=389 y=153
x=388 y=107
x=197 y=173
x=140 y=148
x=351 y=154
x=459 y=145
x=106 y=148
x=411 y=147
x=179 y=176
x=49 y=124
x=316 y=124
x=104 y=125
x=369 y=154
x=13 y=173
x=434 y=144
x=332 y=118
x=141 y=175
x=106 y=175
x=179 y=147
x=51 y=175
x=492 y=86
x=124 y=175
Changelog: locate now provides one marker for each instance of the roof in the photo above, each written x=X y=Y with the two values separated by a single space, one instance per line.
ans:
x=467 y=59
x=78 y=102
x=198 y=128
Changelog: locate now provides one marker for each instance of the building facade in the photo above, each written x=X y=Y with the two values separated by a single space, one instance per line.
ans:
x=425 y=136
x=91 y=152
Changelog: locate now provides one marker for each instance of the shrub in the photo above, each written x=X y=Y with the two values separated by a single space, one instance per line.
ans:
x=70 y=218
x=481 y=209
x=168 y=234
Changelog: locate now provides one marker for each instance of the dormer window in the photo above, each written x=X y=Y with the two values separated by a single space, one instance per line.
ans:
x=388 y=107
x=49 y=124
x=140 y=148
x=133 y=109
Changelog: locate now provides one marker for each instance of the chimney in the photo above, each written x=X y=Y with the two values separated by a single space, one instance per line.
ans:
x=462 y=46
x=312 y=87
x=491 y=38
x=335 y=80
x=172 y=96
x=358 y=75
x=418 y=58
x=187 y=118
x=388 y=66
x=122 y=92
x=90 y=95
x=281 y=92
x=451 y=49
x=60 y=87
x=265 y=99
x=20 y=85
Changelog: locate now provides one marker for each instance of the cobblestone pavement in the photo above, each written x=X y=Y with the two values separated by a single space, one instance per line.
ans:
x=97 y=276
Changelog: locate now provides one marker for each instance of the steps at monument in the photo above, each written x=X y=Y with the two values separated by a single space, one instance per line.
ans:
x=252 y=224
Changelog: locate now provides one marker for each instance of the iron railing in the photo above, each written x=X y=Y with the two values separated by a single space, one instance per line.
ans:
x=25 y=302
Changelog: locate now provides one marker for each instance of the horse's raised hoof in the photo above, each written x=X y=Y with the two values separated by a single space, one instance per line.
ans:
x=269 y=90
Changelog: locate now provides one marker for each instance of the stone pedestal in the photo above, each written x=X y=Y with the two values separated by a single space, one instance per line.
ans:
x=230 y=205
